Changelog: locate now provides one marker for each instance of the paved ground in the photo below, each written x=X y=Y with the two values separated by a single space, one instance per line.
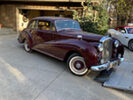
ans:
x=34 y=76
x=6 y=31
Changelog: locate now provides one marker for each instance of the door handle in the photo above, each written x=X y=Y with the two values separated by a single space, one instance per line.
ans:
x=126 y=37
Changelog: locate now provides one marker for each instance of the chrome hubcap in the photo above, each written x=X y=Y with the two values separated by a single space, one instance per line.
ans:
x=78 y=66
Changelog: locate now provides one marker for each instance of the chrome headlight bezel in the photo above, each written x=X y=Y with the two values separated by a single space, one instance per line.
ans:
x=116 y=43
x=100 y=47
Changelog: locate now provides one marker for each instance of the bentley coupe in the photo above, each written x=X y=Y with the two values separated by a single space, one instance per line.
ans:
x=63 y=39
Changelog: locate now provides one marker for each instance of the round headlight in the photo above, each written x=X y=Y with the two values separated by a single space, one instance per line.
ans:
x=116 y=43
x=100 y=47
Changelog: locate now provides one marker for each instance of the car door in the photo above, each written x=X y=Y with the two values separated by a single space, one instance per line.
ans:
x=44 y=36
x=121 y=35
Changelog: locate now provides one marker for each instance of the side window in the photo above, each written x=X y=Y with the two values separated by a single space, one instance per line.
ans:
x=43 y=25
x=129 y=30
x=122 y=30
x=33 y=25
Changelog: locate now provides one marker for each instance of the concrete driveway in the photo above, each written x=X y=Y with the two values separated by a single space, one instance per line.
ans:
x=34 y=76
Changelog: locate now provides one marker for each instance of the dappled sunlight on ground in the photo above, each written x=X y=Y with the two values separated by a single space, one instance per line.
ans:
x=19 y=76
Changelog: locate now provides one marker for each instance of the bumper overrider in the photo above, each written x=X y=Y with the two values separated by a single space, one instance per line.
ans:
x=108 y=65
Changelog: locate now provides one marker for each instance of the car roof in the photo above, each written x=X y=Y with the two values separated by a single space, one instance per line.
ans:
x=125 y=26
x=51 y=18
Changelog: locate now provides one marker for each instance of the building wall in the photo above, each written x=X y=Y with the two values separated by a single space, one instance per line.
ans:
x=11 y=16
x=8 y=16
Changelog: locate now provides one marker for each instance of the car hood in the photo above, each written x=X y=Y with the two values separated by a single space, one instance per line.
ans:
x=90 y=37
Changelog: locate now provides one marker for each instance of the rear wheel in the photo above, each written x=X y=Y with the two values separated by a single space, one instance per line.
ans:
x=76 y=65
x=130 y=45
x=27 y=46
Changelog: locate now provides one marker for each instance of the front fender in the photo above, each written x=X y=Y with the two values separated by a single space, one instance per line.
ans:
x=86 y=49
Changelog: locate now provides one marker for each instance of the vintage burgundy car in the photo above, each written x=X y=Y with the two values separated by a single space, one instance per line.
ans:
x=63 y=39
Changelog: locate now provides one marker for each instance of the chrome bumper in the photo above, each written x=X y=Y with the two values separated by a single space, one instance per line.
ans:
x=108 y=65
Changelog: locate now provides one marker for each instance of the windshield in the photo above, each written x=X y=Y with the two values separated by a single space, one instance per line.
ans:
x=67 y=24
x=130 y=30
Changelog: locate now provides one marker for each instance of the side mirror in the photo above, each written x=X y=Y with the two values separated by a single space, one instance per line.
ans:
x=122 y=31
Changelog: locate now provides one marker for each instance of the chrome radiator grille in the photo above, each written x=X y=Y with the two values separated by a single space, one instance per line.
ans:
x=107 y=48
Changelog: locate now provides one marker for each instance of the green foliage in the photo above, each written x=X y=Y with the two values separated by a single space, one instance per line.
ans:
x=122 y=6
x=93 y=19
x=124 y=9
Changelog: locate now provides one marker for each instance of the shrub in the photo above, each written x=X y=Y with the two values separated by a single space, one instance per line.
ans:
x=94 y=18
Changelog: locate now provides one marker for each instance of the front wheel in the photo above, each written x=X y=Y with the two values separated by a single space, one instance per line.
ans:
x=76 y=65
x=130 y=45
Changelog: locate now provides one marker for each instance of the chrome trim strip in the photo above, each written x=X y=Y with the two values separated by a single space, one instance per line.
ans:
x=103 y=39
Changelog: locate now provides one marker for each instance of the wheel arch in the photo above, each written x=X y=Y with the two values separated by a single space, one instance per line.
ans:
x=88 y=52
x=130 y=40
x=69 y=53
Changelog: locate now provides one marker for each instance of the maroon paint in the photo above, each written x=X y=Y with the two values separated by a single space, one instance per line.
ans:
x=59 y=44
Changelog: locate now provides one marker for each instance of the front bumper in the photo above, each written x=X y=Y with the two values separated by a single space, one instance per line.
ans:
x=108 y=65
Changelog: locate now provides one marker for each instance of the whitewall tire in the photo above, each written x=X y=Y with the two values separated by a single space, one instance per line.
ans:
x=76 y=65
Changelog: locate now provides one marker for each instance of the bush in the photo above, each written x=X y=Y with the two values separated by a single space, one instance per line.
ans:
x=96 y=22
